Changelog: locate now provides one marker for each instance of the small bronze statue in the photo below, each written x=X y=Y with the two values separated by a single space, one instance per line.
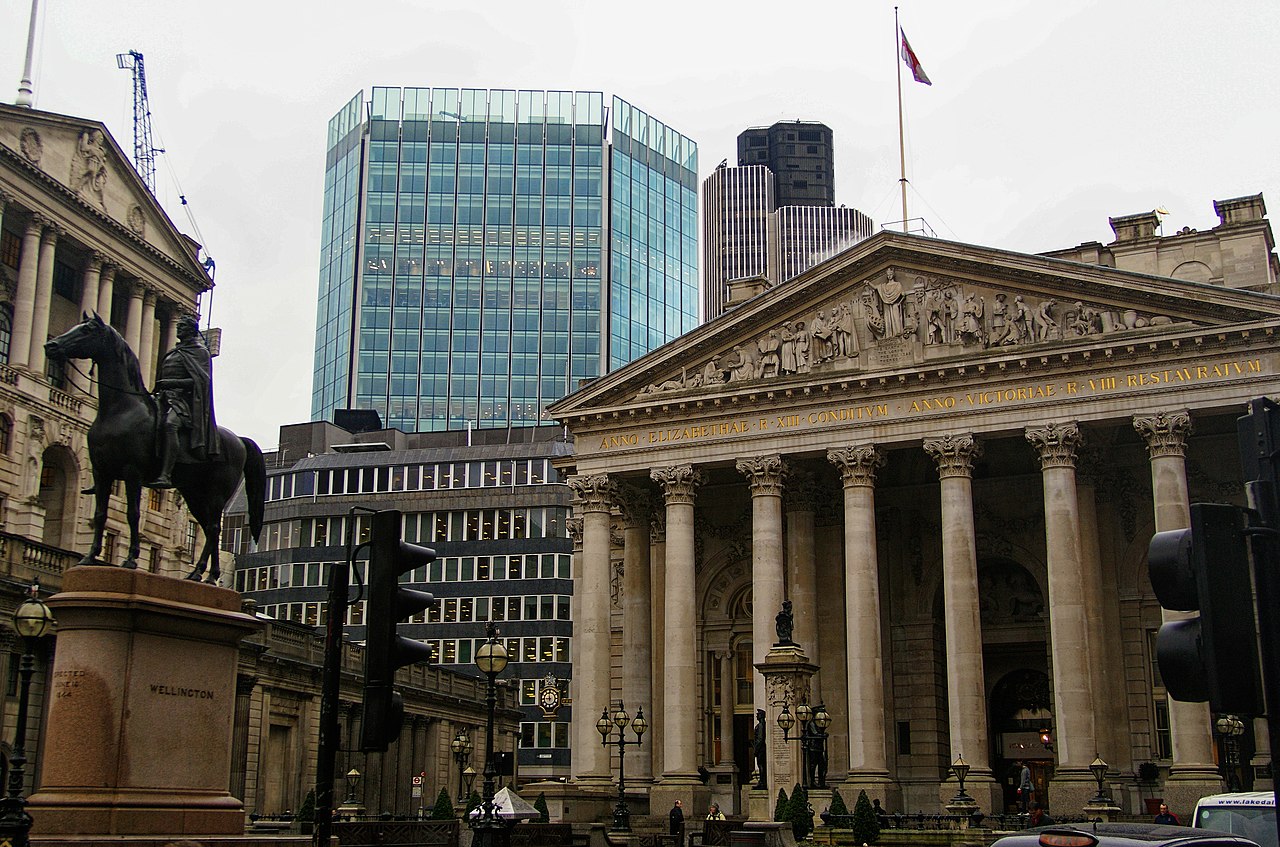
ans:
x=759 y=747
x=785 y=623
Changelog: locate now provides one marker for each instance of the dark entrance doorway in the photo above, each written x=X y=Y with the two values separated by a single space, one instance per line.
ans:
x=1019 y=714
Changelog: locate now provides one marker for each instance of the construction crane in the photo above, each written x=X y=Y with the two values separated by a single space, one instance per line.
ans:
x=144 y=151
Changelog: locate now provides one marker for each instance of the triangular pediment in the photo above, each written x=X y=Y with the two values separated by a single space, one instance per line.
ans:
x=83 y=159
x=896 y=304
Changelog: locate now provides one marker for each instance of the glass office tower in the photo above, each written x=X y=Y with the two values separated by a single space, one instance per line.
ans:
x=485 y=251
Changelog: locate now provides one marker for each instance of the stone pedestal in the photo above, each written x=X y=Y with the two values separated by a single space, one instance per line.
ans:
x=141 y=708
x=1103 y=811
x=787 y=674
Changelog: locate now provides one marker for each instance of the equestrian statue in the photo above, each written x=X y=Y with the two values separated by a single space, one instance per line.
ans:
x=169 y=440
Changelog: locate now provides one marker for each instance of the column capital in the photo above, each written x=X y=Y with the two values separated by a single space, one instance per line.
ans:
x=149 y=295
x=1165 y=432
x=109 y=268
x=954 y=454
x=857 y=464
x=96 y=260
x=636 y=503
x=574 y=527
x=5 y=199
x=678 y=483
x=52 y=232
x=801 y=494
x=245 y=684
x=138 y=288
x=592 y=492
x=1056 y=444
x=765 y=474
x=36 y=224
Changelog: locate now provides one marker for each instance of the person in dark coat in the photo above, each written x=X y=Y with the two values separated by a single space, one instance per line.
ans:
x=1167 y=817
x=677 y=822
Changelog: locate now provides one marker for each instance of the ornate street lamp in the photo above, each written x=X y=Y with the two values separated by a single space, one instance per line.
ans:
x=461 y=747
x=961 y=769
x=786 y=720
x=1099 y=770
x=1230 y=728
x=353 y=782
x=605 y=726
x=32 y=621
x=491 y=658
x=818 y=745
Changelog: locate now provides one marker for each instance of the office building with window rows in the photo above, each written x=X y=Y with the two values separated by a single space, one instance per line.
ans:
x=484 y=252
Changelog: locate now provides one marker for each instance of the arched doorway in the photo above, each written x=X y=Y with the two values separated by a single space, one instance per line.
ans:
x=1020 y=711
x=57 y=496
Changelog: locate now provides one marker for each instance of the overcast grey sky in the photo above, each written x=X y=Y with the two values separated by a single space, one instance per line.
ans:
x=1042 y=120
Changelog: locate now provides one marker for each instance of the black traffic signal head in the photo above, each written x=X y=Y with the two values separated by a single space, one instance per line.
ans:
x=1212 y=657
x=386 y=605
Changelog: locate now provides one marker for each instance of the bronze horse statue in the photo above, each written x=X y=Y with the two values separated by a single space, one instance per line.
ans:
x=123 y=445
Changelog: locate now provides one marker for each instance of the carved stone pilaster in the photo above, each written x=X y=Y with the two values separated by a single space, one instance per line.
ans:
x=1165 y=432
x=592 y=493
x=954 y=454
x=679 y=482
x=1091 y=466
x=765 y=474
x=657 y=527
x=245 y=684
x=636 y=504
x=1056 y=444
x=857 y=464
x=574 y=528
x=802 y=492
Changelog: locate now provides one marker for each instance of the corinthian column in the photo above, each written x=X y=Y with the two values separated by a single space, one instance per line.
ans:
x=24 y=301
x=765 y=475
x=637 y=600
x=658 y=628
x=44 y=299
x=133 y=318
x=1069 y=605
x=585 y=722
x=799 y=503
x=680 y=678
x=1166 y=436
x=106 y=292
x=147 y=338
x=88 y=305
x=868 y=760
x=593 y=500
x=966 y=700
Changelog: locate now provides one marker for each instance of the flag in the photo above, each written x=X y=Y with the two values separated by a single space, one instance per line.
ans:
x=909 y=56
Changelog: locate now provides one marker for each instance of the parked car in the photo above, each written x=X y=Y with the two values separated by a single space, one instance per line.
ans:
x=1248 y=813
x=1121 y=835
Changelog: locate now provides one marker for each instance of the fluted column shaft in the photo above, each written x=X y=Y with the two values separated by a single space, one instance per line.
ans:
x=106 y=292
x=1069 y=605
x=88 y=303
x=802 y=568
x=637 y=637
x=660 y=639
x=43 y=301
x=146 y=341
x=765 y=476
x=680 y=679
x=864 y=661
x=168 y=333
x=593 y=499
x=133 y=318
x=966 y=699
x=1166 y=436
x=24 y=301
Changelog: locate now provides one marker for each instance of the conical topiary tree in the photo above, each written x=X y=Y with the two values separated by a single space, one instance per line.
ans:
x=473 y=802
x=800 y=814
x=541 y=805
x=782 y=808
x=443 y=809
x=866 y=829
x=838 y=807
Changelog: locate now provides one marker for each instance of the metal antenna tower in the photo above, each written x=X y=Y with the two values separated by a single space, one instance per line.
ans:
x=144 y=152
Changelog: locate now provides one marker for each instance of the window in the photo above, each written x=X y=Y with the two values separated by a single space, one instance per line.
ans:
x=6 y=434
x=6 y=331
x=155 y=499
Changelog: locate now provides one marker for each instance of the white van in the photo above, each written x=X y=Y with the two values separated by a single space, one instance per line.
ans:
x=1248 y=813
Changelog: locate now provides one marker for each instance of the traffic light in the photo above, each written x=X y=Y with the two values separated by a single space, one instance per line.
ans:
x=387 y=604
x=1212 y=657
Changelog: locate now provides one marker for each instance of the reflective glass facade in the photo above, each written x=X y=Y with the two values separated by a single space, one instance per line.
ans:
x=479 y=289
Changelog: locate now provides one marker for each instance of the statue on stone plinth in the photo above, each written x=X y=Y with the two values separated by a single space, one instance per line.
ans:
x=785 y=623
x=760 y=748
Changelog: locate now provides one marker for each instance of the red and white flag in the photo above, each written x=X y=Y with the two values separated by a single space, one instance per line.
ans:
x=909 y=56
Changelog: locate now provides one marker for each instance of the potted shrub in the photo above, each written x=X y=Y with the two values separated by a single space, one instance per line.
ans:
x=1148 y=776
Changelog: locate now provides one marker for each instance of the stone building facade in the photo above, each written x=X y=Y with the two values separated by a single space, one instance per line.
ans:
x=950 y=459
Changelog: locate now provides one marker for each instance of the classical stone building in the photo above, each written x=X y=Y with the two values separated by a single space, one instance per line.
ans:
x=950 y=459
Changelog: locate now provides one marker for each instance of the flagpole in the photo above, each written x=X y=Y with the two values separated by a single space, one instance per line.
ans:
x=902 y=150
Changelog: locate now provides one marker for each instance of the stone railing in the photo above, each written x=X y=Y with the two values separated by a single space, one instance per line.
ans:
x=63 y=400
x=16 y=550
x=8 y=375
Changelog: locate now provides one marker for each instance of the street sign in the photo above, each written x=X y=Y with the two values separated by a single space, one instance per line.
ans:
x=417 y=780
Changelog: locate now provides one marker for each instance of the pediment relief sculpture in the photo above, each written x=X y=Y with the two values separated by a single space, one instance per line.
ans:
x=89 y=166
x=886 y=323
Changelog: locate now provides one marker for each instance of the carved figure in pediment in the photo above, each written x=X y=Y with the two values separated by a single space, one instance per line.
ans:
x=999 y=321
x=1021 y=321
x=886 y=317
x=770 y=354
x=971 y=323
x=711 y=374
x=89 y=166
x=1084 y=320
x=950 y=315
x=743 y=366
x=846 y=334
x=787 y=352
x=1045 y=325
x=935 y=317
x=803 y=343
x=820 y=330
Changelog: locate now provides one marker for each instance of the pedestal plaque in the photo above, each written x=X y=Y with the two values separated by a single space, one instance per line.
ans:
x=141 y=707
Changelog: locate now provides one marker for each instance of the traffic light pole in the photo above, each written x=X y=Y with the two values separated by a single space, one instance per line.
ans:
x=1259 y=437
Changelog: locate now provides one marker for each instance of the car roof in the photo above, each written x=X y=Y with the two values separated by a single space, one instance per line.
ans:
x=1121 y=834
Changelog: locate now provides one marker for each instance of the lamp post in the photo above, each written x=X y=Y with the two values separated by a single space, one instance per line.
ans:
x=461 y=747
x=32 y=620
x=1099 y=770
x=818 y=746
x=605 y=726
x=961 y=769
x=1230 y=728
x=491 y=658
x=353 y=782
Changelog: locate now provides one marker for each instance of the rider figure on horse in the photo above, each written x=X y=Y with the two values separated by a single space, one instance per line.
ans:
x=184 y=386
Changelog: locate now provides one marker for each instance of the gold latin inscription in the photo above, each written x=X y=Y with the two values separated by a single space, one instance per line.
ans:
x=977 y=399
